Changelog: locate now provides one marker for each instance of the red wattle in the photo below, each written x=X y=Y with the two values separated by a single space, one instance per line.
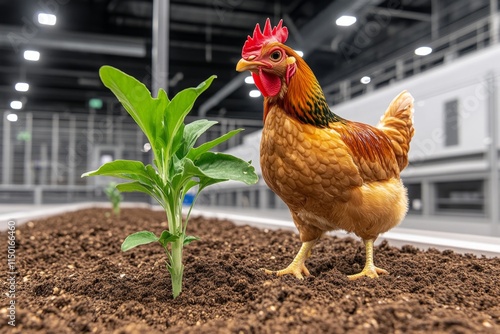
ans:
x=268 y=84
x=259 y=85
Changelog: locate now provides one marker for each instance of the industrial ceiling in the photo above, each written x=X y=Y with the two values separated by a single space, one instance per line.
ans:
x=206 y=37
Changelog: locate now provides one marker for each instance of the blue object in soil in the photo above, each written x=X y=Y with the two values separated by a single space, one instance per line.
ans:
x=188 y=199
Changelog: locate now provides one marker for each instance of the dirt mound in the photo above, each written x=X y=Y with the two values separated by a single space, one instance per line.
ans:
x=73 y=278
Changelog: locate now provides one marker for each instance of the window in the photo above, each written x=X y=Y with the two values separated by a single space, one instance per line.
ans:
x=272 y=199
x=451 y=123
x=460 y=197
x=415 y=198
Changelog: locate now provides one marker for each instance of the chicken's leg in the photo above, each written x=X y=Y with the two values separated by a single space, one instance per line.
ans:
x=297 y=267
x=369 y=270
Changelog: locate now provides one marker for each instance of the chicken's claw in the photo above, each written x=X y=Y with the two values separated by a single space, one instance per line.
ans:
x=371 y=272
x=294 y=269
x=297 y=268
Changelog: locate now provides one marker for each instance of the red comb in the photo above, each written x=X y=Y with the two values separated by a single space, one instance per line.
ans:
x=253 y=44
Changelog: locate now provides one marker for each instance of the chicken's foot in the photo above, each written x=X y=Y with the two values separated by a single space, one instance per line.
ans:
x=369 y=270
x=297 y=268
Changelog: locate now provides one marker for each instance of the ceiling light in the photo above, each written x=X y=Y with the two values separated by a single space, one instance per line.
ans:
x=249 y=80
x=300 y=53
x=423 y=51
x=146 y=147
x=22 y=87
x=12 y=117
x=31 y=55
x=365 y=80
x=16 y=104
x=47 y=19
x=254 y=93
x=345 y=20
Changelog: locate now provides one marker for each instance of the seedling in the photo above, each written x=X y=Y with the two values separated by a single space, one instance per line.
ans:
x=178 y=166
x=115 y=197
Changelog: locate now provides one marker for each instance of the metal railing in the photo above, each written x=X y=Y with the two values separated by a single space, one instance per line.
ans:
x=470 y=38
x=44 y=154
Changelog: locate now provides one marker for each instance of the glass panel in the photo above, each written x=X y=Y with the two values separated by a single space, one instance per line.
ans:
x=415 y=198
x=460 y=197
x=451 y=123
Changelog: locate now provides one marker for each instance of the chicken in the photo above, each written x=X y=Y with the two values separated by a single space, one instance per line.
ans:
x=331 y=172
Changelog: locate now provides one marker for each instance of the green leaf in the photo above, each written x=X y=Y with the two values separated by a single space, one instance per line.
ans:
x=137 y=239
x=124 y=169
x=186 y=170
x=153 y=175
x=181 y=105
x=139 y=187
x=178 y=141
x=207 y=181
x=189 y=239
x=167 y=237
x=196 y=152
x=190 y=184
x=221 y=166
x=193 y=131
x=146 y=111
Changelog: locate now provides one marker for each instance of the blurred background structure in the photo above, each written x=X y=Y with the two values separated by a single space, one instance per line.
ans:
x=58 y=121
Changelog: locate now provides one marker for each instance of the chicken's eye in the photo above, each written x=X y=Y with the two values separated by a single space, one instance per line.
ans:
x=276 y=55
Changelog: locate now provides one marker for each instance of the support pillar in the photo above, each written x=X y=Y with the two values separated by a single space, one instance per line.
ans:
x=54 y=161
x=72 y=150
x=493 y=153
x=28 y=164
x=161 y=38
x=494 y=22
x=6 y=151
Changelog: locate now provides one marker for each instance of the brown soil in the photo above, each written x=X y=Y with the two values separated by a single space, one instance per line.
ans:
x=73 y=278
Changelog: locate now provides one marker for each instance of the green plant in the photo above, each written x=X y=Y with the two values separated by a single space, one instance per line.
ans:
x=115 y=197
x=178 y=165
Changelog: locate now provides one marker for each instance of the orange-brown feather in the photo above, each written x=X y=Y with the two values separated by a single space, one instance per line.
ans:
x=369 y=146
x=397 y=124
x=304 y=97
x=331 y=172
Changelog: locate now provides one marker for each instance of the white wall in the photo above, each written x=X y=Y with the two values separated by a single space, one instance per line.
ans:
x=463 y=79
x=249 y=150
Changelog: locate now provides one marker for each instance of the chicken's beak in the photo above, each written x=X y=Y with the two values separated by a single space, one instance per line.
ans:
x=248 y=65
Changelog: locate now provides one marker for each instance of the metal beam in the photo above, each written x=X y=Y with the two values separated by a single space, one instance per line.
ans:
x=198 y=29
x=53 y=72
x=322 y=27
x=203 y=45
x=19 y=37
x=364 y=61
x=222 y=13
x=403 y=14
x=293 y=29
x=225 y=91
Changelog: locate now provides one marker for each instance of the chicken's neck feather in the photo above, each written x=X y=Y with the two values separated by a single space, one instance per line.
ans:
x=304 y=99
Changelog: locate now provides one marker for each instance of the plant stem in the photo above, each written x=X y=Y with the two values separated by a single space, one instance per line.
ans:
x=116 y=210
x=176 y=267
